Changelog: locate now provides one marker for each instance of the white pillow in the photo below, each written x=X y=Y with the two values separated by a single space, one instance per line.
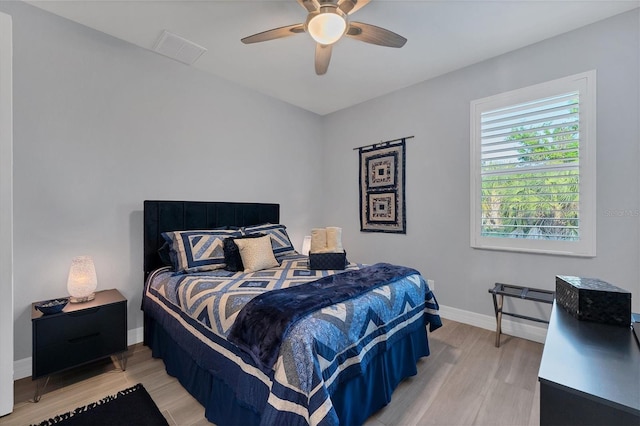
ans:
x=256 y=253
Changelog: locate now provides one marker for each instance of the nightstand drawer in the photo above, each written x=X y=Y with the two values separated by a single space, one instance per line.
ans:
x=72 y=353
x=80 y=334
x=75 y=326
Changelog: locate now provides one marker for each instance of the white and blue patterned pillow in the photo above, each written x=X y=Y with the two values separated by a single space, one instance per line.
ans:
x=200 y=250
x=280 y=242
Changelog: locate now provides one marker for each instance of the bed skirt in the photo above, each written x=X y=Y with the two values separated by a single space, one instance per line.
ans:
x=354 y=400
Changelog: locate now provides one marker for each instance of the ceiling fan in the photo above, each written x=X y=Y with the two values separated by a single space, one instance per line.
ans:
x=327 y=22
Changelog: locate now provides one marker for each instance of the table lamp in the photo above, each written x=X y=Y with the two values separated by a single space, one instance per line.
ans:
x=82 y=281
x=306 y=245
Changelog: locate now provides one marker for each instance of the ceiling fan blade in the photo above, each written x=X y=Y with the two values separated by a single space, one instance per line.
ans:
x=310 y=5
x=323 y=57
x=374 y=35
x=350 y=6
x=281 y=32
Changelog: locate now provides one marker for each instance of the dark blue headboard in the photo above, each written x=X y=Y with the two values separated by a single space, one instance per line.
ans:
x=163 y=216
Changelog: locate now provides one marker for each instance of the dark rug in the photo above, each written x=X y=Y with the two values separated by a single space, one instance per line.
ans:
x=129 y=407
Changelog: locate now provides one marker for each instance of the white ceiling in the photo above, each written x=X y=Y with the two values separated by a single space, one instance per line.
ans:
x=442 y=36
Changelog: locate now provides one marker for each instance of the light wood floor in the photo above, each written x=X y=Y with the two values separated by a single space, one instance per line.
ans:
x=465 y=381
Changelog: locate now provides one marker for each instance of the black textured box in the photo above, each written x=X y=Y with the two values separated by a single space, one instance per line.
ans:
x=591 y=299
x=327 y=260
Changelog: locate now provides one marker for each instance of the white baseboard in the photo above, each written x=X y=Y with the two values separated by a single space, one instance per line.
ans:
x=22 y=367
x=135 y=336
x=488 y=322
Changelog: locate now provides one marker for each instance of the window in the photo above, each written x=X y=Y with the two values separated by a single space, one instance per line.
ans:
x=533 y=168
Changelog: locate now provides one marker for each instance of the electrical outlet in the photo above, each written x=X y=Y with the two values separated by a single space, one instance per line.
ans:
x=432 y=284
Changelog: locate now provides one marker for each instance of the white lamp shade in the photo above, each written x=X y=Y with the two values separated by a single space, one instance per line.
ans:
x=306 y=245
x=82 y=281
x=327 y=28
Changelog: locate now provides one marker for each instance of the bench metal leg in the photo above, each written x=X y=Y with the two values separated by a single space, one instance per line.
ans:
x=524 y=293
x=498 y=308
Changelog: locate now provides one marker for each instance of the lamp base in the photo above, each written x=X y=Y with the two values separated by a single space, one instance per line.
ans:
x=82 y=299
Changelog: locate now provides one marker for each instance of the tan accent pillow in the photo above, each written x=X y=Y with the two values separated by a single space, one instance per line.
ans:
x=256 y=253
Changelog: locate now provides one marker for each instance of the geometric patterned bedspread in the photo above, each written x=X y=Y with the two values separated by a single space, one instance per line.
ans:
x=320 y=351
x=215 y=297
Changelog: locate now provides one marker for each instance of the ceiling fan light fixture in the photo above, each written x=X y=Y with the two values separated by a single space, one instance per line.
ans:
x=327 y=25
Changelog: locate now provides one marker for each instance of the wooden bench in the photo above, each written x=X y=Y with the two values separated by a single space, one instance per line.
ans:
x=499 y=291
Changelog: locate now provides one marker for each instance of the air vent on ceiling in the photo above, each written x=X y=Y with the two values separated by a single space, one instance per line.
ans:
x=178 y=48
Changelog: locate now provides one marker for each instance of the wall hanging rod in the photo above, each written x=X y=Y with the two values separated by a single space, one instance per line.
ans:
x=381 y=143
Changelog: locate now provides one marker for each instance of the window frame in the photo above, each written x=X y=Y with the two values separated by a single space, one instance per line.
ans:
x=585 y=83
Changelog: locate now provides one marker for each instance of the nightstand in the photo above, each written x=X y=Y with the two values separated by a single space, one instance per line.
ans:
x=81 y=333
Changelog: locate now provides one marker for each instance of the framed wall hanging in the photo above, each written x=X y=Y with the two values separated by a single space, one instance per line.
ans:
x=382 y=184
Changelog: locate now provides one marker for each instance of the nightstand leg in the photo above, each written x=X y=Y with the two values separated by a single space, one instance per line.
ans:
x=122 y=360
x=40 y=389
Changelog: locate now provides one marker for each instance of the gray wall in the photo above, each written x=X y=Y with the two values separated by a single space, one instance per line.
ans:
x=101 y=125
x=437 y=169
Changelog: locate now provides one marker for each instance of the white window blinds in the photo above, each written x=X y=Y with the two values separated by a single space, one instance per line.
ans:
x=530 y=169
x=533 y=168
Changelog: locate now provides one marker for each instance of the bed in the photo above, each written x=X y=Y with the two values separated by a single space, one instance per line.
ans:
x=332 y=364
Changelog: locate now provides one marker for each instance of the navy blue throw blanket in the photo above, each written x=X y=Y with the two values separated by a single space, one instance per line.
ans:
x=263 y=323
